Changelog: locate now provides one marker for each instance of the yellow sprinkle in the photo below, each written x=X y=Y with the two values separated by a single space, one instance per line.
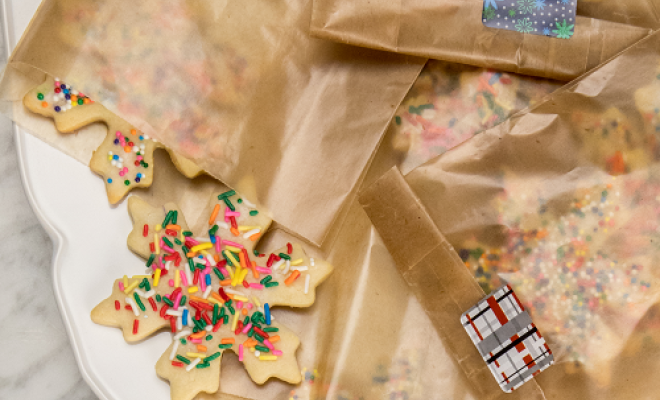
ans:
x=192 y=289
x=233 y=249
x=109 y=158
x=256 y=301
x=268 y=358
x=177 y=280
x=245 y=228
x=242 y=277
x=231 y=271
x=158 y=228
x=213 y=300
x=131 y=287
x=125 y=281
x=241 y=298
x=234 y=322
x=297 y=262
x=157 y=277
x=156 y=243
x=200 y=247
x=232 y=257
x=195 y=355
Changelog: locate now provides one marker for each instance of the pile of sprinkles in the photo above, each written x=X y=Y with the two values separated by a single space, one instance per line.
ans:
x=564 y=269
x=213 y=285
x=63 y=98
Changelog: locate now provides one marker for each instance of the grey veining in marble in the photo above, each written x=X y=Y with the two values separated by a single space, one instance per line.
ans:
x=37 y=359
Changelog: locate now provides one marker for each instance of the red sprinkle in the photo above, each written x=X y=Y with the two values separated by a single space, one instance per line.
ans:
x=136 y=326
x=170 y=232
x=194 y=304
x=117 y=305
x=145 y=230
x=170 y=257
x=196 y=277
x=152 y=247
x=221 y=264
x=153 y=304
x=289 y=248
x=233 y=222
x=245 y=284
x=239 y=328
x=223 y=295
x=163 y=310
x=271 y=258
x=207 y=319
x=177 y=363
x=260 y=332
x=128 y=307
x=173 y=325
x=217 y=325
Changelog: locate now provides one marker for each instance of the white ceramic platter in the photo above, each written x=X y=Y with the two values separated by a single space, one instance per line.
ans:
x=90 y=251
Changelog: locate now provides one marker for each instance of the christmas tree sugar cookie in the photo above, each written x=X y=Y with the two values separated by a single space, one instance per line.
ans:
x=125 y=158
x=214 y=292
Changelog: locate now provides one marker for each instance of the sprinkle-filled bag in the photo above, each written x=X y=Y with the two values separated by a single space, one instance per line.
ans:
x=507 y=339
x=552 y=18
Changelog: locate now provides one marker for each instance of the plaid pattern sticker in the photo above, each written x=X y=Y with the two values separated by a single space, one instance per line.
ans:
x=507 y=339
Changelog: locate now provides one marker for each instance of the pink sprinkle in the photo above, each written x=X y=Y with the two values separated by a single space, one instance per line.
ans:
x=121 y=286
x=208 y=264
x=247 y=327
x=218 y=241
x=197 y=341
x=268 y=344
x=167 y=248
x=230 y=213
x=202 y=282
x=171 y=283
x=178 y=300
x=263 y=270
x=125 y=169
x=277 y=352
x=249 y=306
x=240 y=352
x=230 y=243
x=224 y=271
x=191 y=241
x=239 y=304
x=207 y=270
x=118 y=134
x=139 y=158
x=121 y=173
x=257 y=286
x=184 y=280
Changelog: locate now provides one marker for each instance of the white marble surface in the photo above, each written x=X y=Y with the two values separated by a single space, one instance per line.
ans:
x=38 y=362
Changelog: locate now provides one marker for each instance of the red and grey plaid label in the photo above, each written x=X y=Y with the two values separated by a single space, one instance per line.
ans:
x=507 y=339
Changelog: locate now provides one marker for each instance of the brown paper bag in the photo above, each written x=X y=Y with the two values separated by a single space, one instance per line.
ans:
x=452 y=30
x=561 y=202
x=240 y=88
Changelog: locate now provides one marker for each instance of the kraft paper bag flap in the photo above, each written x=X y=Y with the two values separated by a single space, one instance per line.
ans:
x=238 y=88
x=435 y=275
x=452 y=30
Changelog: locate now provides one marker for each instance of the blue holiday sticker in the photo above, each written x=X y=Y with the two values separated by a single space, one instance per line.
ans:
x=553 y=18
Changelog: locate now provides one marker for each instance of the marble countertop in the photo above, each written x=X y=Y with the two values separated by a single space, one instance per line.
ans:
x=38 y=359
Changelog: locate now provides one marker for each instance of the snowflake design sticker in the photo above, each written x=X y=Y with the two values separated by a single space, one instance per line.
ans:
x=536 y=17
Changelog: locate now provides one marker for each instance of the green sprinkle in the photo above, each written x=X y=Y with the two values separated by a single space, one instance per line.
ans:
x=183 y=300
x=183 y=341
x=187 y=233
x=215 y=313
x=40 y=96
x=259 y=337
x=231 y=309
x=200 y=266
x=167 y=241
x=151 y=259
x=177 y=241
x=254 y=212
x=209 y=337
x=214 y=230
x=256 y=253
x=240 y=201
x=183 y=359
x=397 y=119
x=285 y=256
x=212 y=357
x=224 y=346
x=251 y=333
x=168 y=302
x=246 y=320
x=144 y=164
x=191 y=264
x=262 y=349
x=226 y=194
x=198 y=324
x=271 y=284
x=219 y=274
x=81 y=102
x=167 y=219
x=271 y=329
x=227 y=259
x=229 y=204
x=222 y=313
x=202 y=365
x=266 y=280
x=138 y=301
x=185 y=250
x=195 y=329
x=158 y=298
x=225 y=319
x=175 y=217
x=147 y=286
x=141 y=285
